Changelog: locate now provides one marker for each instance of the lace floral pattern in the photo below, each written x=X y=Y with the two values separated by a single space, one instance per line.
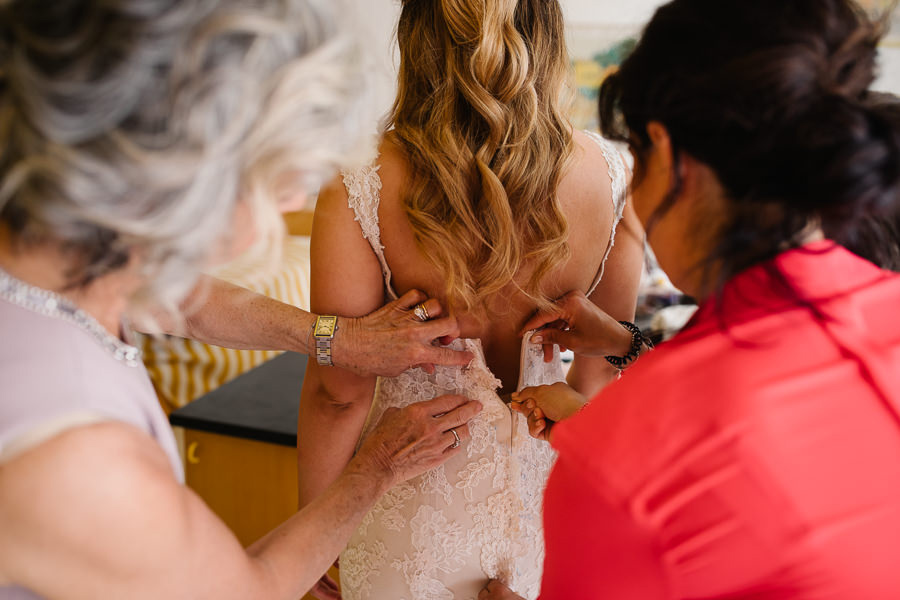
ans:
x=363 y=195
x=474 y=517
x=363 y=562
x=441 y=535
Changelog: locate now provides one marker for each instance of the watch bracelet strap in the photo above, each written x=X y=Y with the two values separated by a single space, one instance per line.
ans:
x=323 y=352
x=323 y=343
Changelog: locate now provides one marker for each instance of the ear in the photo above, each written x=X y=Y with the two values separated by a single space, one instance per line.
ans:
x=662 y=144
x=689 y=168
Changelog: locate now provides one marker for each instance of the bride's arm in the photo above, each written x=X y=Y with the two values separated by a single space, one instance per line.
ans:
x=617 y=296
x=345 y=280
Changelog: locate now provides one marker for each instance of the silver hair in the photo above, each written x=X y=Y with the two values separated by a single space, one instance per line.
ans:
x=136 y=126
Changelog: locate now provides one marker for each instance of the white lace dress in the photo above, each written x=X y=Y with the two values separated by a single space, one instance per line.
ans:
x=441 y=535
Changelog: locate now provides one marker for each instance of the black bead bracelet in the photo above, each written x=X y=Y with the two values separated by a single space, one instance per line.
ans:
x=638 y=339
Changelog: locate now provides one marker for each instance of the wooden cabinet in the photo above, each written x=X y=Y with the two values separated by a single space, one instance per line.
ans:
x=251 y=485
x=240 y=447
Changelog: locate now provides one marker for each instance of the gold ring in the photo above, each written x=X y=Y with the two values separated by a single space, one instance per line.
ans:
x=421 y=312
x=455 y=443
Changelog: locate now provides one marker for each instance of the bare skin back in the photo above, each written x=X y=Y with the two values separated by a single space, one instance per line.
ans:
x=585 y=195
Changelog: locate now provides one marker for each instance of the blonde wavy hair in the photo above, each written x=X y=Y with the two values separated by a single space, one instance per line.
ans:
x=480 y=114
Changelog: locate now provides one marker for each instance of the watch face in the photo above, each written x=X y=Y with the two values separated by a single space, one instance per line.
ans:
x=325 y=326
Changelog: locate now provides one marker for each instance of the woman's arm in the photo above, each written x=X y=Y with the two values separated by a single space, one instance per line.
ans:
x=385 y=342
x=96 y=513
x=345 y=279
x=616 y=295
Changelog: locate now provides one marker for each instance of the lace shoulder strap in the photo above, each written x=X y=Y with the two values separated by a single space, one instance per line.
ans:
x=618 y=175
x=363 y=196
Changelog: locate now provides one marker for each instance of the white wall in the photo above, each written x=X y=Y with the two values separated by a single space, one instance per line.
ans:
x=889 y=80
x=609 y=12
x=377 y=20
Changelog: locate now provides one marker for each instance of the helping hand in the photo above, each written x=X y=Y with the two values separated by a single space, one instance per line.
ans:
x=411 y=440
x=494 y=590
x=576 y=323
x=546 y=405
x=392 y=339
x=326 y=588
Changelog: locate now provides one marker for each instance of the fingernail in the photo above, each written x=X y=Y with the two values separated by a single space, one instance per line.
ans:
x=537 y=339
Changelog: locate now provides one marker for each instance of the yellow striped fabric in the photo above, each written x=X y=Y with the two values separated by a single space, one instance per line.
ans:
x=182 y=370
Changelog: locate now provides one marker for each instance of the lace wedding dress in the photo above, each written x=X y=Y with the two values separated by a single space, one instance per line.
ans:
x=441 y=535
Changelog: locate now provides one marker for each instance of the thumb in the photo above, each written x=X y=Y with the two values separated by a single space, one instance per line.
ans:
x=552 y=336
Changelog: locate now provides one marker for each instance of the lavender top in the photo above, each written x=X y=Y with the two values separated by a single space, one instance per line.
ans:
x=59 y=370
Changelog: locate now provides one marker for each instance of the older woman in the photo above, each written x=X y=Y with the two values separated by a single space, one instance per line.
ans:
x=756 y=454
x=135 y=134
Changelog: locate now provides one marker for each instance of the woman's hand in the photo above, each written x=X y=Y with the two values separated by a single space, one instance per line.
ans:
x=326 y=588
x=494 y=590
x=392 y=339
x=411 y=440
x=546 y=405
x=576 y=323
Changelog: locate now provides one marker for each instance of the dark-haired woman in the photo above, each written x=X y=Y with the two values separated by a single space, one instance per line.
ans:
x=757 y=454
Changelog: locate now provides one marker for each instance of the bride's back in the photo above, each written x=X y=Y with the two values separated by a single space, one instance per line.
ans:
x=585 y=199
x=489 y=201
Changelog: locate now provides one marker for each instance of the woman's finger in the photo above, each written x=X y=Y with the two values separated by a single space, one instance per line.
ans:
x=548 y=353
x=408 y=300
x=440 y=328
x=433 y=308
x=433 y=355
x=441 y=405
x=542 y=319
x=459 y=416
x=462 y=431
x=452 y=442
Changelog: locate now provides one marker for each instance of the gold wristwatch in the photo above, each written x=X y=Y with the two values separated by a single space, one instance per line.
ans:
x=324 y=333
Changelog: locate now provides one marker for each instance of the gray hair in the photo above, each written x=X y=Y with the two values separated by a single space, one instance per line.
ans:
x=136 y=126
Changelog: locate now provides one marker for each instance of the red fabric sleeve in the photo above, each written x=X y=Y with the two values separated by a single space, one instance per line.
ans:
x=594 y=549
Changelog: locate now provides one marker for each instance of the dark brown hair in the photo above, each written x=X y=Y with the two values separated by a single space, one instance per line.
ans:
x=774 y=97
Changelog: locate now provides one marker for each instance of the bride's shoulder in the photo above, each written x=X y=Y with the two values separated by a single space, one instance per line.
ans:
x=392 y=166
x=593 y=146
x=392 y=160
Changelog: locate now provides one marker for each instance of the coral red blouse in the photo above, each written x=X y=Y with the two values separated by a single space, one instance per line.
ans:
x=756 y=455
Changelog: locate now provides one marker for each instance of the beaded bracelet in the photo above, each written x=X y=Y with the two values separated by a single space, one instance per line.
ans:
x=638 y=339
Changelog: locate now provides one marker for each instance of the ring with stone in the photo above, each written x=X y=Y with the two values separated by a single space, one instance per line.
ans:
x=421 y=312
x=455 y=443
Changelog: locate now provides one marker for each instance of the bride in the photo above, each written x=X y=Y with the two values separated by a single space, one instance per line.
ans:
x=483 y=197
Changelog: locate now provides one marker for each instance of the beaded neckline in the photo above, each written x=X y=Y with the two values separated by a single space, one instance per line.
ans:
x=53 y=305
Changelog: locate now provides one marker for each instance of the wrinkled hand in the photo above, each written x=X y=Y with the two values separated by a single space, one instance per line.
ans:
x=326 y=588
x=494 y=590
x=576 y=323
x=411 y=440
x=391 y=339
x=546 y=405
